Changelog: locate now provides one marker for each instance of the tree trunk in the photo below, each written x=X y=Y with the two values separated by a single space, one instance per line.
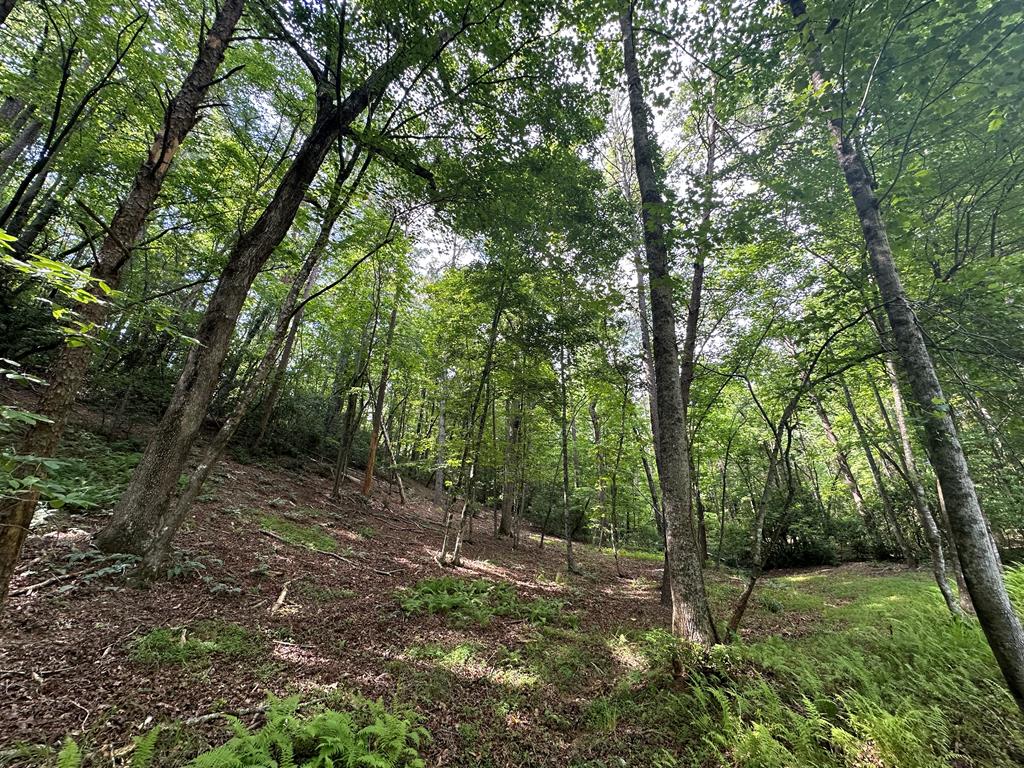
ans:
x=883 y=494
x=451 y=546
x=287 y=320
x=122 y=233
x=843 y=463
x=567 y=528
x=961 y=584
x=691 y=615
x=928 y=525
x=978 y=557
x=378 y=406
x=439 y=499
x=508 y=491
x=143 y=521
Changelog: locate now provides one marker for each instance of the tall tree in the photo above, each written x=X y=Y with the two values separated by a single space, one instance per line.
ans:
x=977 y=554
x=691 y=614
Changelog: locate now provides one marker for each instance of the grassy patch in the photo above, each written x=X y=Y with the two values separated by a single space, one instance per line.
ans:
x=196 y=644
x=477 y=601
x=308 y=536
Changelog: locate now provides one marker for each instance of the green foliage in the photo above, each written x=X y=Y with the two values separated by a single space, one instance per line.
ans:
x=372 y=737
x=196 y=644
x=477 y=601
x=91 y=475
x=70 y=756
x=886 y=677
x=366 y=736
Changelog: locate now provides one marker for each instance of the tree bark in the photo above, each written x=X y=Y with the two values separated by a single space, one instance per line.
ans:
x=441 y=457
x=691 y=615
x=1000 y=622
x=122 y=233
x=508 y=491
x=567 y=528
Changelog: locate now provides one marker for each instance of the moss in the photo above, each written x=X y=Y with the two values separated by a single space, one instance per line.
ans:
x=309 y=536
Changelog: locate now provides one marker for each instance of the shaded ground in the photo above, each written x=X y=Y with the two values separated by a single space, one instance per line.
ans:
x=267 y=613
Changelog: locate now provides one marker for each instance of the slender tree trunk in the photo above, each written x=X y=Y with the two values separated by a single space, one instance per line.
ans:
x=691 y=615
x=928 y=524
x=978 y=556
x=570 y=561
x=25 y=137
x=451 y=545
x=281 y=368
x=843 y=463
x=439 y=499
x=378 y=406
x=961 y=585
x=887 y=509
x=508 y=491
x=122 y=233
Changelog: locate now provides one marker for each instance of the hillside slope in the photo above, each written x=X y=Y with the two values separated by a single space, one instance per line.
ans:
x=278 y=589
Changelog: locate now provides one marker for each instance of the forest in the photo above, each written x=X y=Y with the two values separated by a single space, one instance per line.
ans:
x=493 y=383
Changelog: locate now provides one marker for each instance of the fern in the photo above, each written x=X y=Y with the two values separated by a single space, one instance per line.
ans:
x=145 y=749
x=70 y=756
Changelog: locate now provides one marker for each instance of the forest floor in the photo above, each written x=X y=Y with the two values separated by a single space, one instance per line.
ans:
x=277 y=589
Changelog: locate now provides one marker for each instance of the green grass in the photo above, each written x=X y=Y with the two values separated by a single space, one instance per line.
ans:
x=308 y=536
x=196 y=644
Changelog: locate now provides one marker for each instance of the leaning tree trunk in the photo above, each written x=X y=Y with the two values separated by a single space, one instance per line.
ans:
x=843 y=464
x=144 y=523
x=691 y=615
x=978 y=557
x=288 y=317
x=876 y=475
x=924 y=513
x=122 y=233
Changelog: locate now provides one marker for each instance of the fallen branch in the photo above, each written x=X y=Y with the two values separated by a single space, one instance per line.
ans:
x=280 y=598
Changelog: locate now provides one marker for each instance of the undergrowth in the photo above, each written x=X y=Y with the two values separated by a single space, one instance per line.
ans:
x=887 y=679
x=367 y=734
x=477 y=601
x=196 y=644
